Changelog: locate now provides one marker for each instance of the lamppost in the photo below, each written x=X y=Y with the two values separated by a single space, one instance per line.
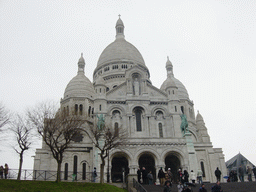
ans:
x=108 y=168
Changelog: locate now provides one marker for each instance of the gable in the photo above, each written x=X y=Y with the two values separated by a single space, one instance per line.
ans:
x=154 y=92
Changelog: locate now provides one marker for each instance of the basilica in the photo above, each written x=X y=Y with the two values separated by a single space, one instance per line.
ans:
x=123 y=92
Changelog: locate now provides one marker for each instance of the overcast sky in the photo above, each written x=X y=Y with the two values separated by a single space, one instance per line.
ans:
x=211 y=44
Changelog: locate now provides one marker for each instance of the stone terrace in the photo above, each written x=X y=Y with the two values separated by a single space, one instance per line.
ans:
x=226 y=187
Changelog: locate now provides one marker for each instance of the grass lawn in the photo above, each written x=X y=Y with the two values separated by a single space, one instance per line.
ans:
x=45 y=186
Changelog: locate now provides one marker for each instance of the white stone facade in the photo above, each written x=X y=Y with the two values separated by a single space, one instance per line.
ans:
x=123 y=92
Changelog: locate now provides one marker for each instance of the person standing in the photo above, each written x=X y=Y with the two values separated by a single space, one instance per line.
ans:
x=249 y=172
x=200 y=175
x=139 y=175
x=202 y=188
x=218 y=174
x=241 y=173
x=193 y=176
x=94 y=174
x=167 y=187
x=186 y=175
x=254 y=171
x=161 y=176
x=144 y=175
x=180 y=176
x=150 y=178
x=169 y=173
x=217 y=187
x=1 y=172
x=6 y=169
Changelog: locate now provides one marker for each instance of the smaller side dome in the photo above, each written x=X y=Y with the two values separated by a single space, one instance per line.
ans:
x=100 y=81
x=199 y=117
x=80 y=85
x=169 y=82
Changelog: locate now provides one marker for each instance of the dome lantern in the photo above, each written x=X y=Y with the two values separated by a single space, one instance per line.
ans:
x=169 y=67
x=119 y=28
x=81 y=64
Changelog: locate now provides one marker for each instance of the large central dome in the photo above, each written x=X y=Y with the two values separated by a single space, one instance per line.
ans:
x=120 y=50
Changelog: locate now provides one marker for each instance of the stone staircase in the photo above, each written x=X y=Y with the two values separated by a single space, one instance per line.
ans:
x=226 y=187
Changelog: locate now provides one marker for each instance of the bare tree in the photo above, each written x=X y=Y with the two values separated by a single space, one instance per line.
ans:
x=4 y=116
x=24 y=137
x=56 y=129
x=105 y=139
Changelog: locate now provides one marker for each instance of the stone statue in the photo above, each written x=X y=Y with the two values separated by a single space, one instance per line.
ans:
x=101 y=122
x=136 y=86
x=184 y=124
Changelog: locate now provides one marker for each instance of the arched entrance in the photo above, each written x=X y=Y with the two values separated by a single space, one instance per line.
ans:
x=118 y=164
x=148 y=162
x=173 y=162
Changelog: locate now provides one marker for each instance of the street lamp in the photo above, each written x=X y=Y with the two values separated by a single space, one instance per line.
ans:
x=108 y=169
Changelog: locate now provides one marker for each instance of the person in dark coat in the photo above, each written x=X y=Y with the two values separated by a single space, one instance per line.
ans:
x=1 y=172
x=217 y=187
x=202 y=188
x=6 y=169
x=218 y=174
x=241 y=173
x=167 y=187
x=254 y=171
x=161 y=176
x=144 y=175
x=139 y=175
x=186 y=175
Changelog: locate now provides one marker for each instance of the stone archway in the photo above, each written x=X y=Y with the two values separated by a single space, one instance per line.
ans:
x=173 y=162
x=148 y=161
x=119 y=163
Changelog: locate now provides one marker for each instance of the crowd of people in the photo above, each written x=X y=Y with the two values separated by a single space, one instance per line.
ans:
x=233 y=175
x=4 y=171
x=184 y=179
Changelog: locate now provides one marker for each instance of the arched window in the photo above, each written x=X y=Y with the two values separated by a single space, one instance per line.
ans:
x=67 y=110
x=100 y=107
x=89 y=111
x=182 y=109
x=116 y=129
x=100 y=90
x=160 y=127
x=84 y=171
x=172 y=91
x=138 y=113
x=75 y=166
x=64 y=111
x=76 y=109
x=175 y=109
x=66 y=172
x=81 y=109
x=202 y=168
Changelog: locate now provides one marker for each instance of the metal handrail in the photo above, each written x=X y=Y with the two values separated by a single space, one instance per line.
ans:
x=138 y=186
x=44 y=175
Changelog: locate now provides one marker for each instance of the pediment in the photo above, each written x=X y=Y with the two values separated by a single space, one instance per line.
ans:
x=155 y=92
x=117 y=92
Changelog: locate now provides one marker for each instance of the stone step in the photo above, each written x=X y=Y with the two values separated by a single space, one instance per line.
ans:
x=226 y=187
